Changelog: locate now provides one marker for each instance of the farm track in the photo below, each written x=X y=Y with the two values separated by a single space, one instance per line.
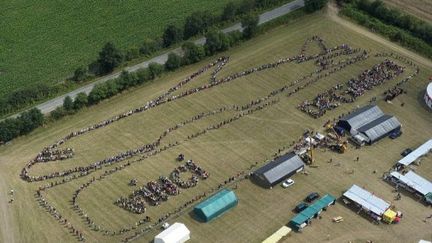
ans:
x=5 y=219
x=333 y=14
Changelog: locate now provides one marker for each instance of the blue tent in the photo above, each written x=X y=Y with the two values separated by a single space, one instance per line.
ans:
x=299 y=221
x=216 y=205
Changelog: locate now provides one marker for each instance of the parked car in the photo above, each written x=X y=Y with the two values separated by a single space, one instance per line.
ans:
x=395 y=134
x=311 y=197
x=300 y=207
x=406 y=152
x=288 y=183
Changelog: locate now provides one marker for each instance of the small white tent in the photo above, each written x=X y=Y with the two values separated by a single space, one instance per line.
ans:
x=176 y=233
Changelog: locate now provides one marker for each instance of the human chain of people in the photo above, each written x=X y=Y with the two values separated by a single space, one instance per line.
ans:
x=162 y=99
x=154 y=148
x=86 y=172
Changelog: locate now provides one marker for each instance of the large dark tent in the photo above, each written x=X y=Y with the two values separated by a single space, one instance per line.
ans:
x=360 y=117
x=369 y=124
x=216 y=205
x=278 y=170
x=379 y=128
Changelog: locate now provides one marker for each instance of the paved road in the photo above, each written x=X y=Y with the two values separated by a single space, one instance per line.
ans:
x=50 y=105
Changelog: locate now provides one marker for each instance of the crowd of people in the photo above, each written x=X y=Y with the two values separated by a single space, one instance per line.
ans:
x=352 y=89
x=197 y=173
x=373 y=77
x=247 y=109
x=323 y=60
x=157 y=191
x=231 y=181
x=150 y=104
x=53 y=154
x=308 y=41
x=58 y=216
x=396 y=90
x=393 y=92
x=164 y=98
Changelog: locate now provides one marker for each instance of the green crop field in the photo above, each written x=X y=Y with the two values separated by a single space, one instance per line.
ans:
x=225 y=152
x=45 y=41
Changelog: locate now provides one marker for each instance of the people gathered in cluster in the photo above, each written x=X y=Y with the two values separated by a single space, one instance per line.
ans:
x=152 y=149
x=155 y=192
x=348 y=92
x=392 y=93
x=53 y=154
x=164 y=98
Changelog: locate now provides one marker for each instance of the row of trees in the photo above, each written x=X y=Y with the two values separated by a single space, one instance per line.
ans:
x=216 y=41
x=415 y=26
x=23 y=124
x=395 y=34
x=106 y=90
x=314 y=5
x=27 y=96
x=198 y=23
x=111 y=57
x=201 y=22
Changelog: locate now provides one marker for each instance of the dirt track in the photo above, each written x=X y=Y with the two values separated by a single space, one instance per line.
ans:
x=332 y=12
x=5 y=219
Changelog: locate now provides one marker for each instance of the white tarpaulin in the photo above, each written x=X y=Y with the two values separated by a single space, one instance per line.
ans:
x=176 y=233
x=414 y=155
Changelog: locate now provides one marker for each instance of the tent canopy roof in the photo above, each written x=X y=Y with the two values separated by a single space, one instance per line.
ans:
x=216 y=205
x=367 y=200
x=418 y=152
x=177 y=232
x=278 y=235
x=380 y=127
x=362 y=116
x=414 y=181
x=313 y=209
x=280 y=167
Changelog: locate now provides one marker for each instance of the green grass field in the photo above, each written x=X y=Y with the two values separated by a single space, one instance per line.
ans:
x=44 y=42
x=226 y=151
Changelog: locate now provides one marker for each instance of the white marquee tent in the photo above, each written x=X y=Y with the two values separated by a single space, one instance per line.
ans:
x=367 y=200
x=176 y=233
x=414 y=155
x=414 y=181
